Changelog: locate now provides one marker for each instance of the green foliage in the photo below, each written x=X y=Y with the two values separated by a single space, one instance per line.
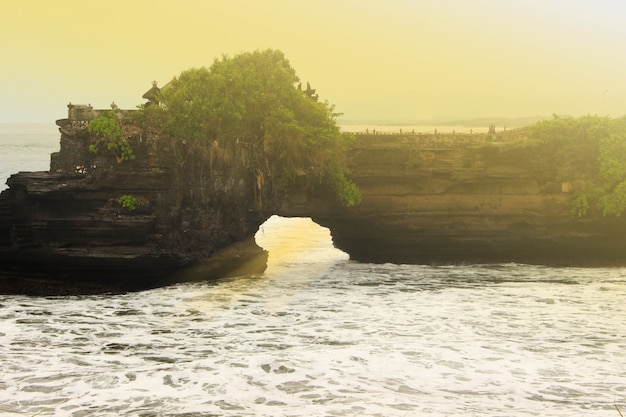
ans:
x=580 y=204
x=128 y=202
x=151 y=118
x=247 y=111
x=108 y=133
x=613 y=203
x=563 y=130
x=609 y=195
x=613 y=169
x=347 y=192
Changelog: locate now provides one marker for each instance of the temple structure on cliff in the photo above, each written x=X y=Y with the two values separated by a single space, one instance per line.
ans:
x=153 y=95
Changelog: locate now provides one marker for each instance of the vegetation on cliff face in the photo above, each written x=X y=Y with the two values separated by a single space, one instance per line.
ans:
x=107 y=133
x=128 y=202
x=606 y=195
x=247 y=112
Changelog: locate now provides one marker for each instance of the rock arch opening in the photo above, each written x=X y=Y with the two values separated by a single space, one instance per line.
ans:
x=294 y=242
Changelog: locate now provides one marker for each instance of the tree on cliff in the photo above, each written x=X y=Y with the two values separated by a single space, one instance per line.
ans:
x=107 y=134
x=607 y=137
x=248 y=112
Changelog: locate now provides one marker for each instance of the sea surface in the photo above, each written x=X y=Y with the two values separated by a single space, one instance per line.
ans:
x=26 y=147
x=318 y=335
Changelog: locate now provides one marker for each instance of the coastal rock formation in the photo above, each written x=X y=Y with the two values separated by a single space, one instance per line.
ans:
x=64 y=231
x=462 y=198
x=427 y=198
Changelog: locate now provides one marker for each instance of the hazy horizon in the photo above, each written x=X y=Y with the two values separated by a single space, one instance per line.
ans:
x=481 y=122
x=394 y=62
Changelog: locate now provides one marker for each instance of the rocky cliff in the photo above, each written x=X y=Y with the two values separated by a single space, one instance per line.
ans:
x=473 y=199
x=64 y=231
x=425 y=199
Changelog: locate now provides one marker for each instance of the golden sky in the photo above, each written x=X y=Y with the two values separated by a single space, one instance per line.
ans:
x=392 y=60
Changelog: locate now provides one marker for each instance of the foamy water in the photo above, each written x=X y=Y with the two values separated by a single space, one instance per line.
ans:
x=319 y=335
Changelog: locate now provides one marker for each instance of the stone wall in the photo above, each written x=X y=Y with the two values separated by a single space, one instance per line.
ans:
x=85 y=112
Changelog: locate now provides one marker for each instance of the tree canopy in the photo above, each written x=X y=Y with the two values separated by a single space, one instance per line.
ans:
x=608 y=194
x=247 y=109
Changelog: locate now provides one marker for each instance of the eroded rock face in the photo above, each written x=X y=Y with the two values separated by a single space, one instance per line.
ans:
x=472 y=199
x=65 y=231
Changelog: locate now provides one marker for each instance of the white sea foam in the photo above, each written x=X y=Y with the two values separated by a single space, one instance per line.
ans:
x=320 y=335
